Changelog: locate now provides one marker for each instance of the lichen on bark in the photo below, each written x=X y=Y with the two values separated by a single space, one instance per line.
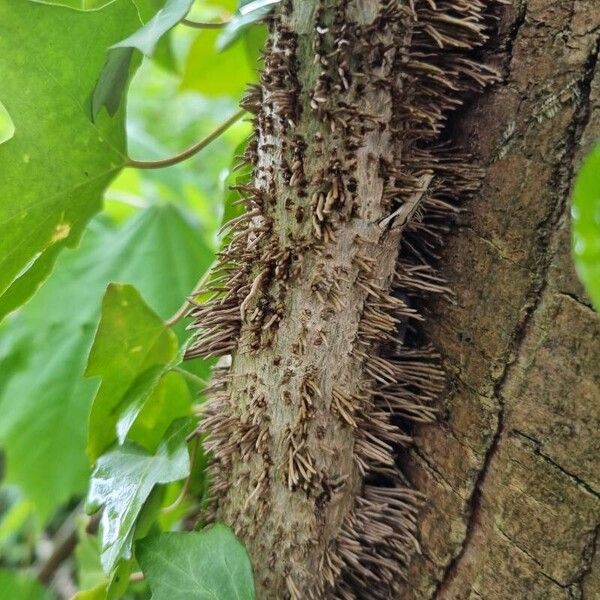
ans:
x=317 y=296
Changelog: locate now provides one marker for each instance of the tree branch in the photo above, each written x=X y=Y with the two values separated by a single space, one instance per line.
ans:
x=65 y=545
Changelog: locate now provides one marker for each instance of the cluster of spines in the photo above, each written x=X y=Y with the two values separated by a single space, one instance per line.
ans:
x=380 y=535
x=401 y=381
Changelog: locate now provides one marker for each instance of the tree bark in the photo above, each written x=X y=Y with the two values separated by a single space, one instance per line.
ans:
x=318 y=298
x=512 y=469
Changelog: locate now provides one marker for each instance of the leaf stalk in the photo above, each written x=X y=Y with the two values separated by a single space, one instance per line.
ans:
x=191 y=151
x=204 y=25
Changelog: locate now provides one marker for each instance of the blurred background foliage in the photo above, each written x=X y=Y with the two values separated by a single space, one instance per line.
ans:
x=159 y=232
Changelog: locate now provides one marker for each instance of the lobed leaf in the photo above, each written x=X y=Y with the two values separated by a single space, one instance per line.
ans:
x=44 y=397
x=113 y=80
x=131 y=339
x=209 y=565
x=122 y=483
x=57 y=165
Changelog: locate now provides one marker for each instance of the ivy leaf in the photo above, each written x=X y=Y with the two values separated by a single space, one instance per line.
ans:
x=248 y=13
x=44 y=397
x=209 y=565
x=586 y=225
x=112 y=82
x=156 y=403
x=124 y=479
x=17 y=586
x=131 y=339
x=58 y=163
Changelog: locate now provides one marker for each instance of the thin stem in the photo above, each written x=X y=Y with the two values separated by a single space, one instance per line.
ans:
x=167 y=162
x=190 y=376
x=204 y=25
x=188 y=481
x=187 y=304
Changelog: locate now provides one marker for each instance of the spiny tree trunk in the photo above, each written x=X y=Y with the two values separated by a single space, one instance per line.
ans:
x=319 y=297
x=512 y=469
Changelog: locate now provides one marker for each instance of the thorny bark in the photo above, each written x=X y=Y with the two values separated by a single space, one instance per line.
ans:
x=512 y=470
x=323 y=352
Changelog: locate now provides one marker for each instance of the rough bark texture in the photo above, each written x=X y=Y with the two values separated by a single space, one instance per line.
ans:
x=512 y=470
x=316 y=298
x=316 y=301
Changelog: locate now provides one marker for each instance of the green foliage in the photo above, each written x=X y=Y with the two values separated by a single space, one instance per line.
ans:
x=44 y=397
x=15 y=586
x=98 y=592
x=83 y=5
x=123 y=481
x=154 y=240
x=50 y=190
x=208 y=565
x=132 y=351
x=213 y=74
x=87 y=557
x=113 y=80
x=586 y=225
x=248 y=13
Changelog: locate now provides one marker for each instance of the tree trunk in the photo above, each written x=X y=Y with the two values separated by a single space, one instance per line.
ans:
x=512 y=469
x=319 y=300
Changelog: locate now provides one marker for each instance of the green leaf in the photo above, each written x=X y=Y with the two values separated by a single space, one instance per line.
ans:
x=214 y=74
x=58 y=163
x=122 y=482
x=119 y=582
x=112 y=82
x=254 y=40
x=209 y=565
x=229 y=5
x=17 y=586
x=146 y=419
x=87 y=557
x=83 y=5
x=248 y=13
x=44 y=397
x=14 y=519
x=96 y=593
x=7 y=127
x=135 y=398
x=146 y=38
x=586 y=225
x=130 y=340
